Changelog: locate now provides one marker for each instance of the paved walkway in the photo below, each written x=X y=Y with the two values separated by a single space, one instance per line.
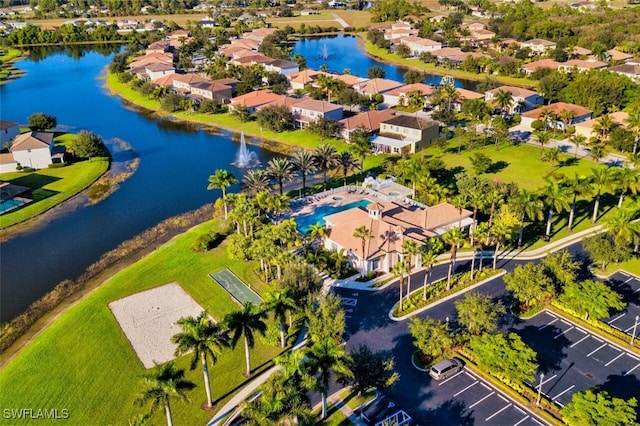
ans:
x=340 y=20
x=338 y=403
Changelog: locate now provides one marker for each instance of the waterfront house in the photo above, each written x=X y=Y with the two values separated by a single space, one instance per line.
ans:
x=310 y=110
x=418 y=45
x=580 y=114
x=252 y=100
x=300 y=80
x=522 y=99
x=376 y=85
x=282 y=67
x=368 y=120
x=158 y=69
x=402 y=94
x=8 y=131
x=405 y=134
x=35 y=150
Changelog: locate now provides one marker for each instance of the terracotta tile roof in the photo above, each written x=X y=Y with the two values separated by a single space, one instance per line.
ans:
x=464 y=94
x=543 y=63
x=159 y=66
x=618 y=117
x=419 y=40
x=631 y=69
x=211 y=86
x=378 y=85
x=349 y=80
x=32 y=140
x=580 y=51
x=282 y=63
x=191 y=78
x=227 y=81
x=369 y=120
x=254 y=99
x=403 y=90
x=616 y=55
x=307 y=76
x=317 y=106
x=7 y=124
x=6 y=158
x=515 y=91
x=455 y=54
x=159 y=45
x=285 y=101
x=539 y=42
x=256 y=58
x=580 y=63
x=165 y=80
x=557 y=108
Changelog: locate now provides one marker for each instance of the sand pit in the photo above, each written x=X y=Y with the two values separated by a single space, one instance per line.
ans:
x=149 y=318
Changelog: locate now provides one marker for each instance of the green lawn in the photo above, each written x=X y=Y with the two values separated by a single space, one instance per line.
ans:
x=632 y=266
x=355 y=18
x=51 y=187
x=432 y=69
x=83 y=361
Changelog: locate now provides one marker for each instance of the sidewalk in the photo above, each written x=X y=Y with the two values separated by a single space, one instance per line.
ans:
x=338 y=403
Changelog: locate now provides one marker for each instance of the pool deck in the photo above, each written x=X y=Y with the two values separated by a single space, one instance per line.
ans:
x=308 y=205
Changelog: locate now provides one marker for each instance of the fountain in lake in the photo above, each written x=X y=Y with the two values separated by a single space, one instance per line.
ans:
x=324 y=51
x=245 y=158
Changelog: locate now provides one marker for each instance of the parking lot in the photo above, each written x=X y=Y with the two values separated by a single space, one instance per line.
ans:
x=573 y=359
x=629 y=287
x=482 y=403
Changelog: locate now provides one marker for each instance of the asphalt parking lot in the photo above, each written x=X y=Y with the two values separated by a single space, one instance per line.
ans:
x=629 y=287
x=573 y=359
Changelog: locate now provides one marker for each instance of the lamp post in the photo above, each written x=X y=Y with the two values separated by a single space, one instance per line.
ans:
x=540 y=388
x=635 y=324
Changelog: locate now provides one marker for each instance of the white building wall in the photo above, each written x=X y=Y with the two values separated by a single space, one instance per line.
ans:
x=36 y=158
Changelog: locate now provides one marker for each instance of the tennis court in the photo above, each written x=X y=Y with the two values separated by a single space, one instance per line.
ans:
x=235 y=287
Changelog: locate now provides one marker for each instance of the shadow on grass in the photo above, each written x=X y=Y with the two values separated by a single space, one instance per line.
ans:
x=35 y=180
x=497 y=166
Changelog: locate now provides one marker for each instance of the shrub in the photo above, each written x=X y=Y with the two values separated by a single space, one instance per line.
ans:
x=57 y=165
x=207 y=242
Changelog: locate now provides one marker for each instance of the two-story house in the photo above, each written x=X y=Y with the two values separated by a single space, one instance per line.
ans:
x=417 y=45
x=405 y=134
x=521 y=99
x=539 y=46
x=310 y=110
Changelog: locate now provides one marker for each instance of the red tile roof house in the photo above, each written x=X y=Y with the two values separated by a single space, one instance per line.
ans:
x=417 y=45
x=581 y=65
x=543 y=63
x=158 y=69
x=283 y=100
x=310 y=110
x=35 y=150
x=8 y=131
x=539 y=45
x=376 y=85
x=630 y=70
x=369 y=121
x=300 y=80
x=252 y=100
x=405 y=134
x=390 y=224
x=522 y=99
x=213 y=91
x=465 y=95
x=581 y=114
x=396 y=96
x=282 y=67
x=182 y=82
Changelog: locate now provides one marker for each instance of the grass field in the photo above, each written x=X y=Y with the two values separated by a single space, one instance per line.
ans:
x=51 y=187
x=84 y=363
x=355 y=18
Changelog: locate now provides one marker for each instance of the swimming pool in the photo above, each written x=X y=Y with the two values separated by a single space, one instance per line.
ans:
x=305 y=221
x=11 y=204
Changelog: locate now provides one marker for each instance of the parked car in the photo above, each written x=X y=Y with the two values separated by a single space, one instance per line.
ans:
x=445 y=369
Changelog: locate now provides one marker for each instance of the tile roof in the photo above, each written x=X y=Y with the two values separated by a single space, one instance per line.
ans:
x=580 y=63
x=285 y=101
x=191 y=78
x=349 y=79
x=254 y=99
x=465 y=94
x=165 y=80
x=543 y=63
x=539 y=42
x=378 y=85
x=318 y=106
x=159 y=66
x=557 y=108
x=369 y=120
x=632 y=69
x=616 y=55
x=32 y=140
x=421 y=41
x=402 y=90
x=515 y=91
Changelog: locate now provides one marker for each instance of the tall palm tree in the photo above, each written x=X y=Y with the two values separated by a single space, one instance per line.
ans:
x=256 y=180
x=364 y=234
x=325 y=357
x=326 y=159
x=578 y=141
x=530 y=206
x=412 y=249
x=412 y=169
x=347 y=163
x=543 y=138
x=547 y=117
x=399 y=270
x=494 y=198
x=500 y=232
x=455 y=238
x=306 y=164
x=555 y=197
x=567 y=116
x=603 y=126
x=622 y=227
x=204 y=338
x=601 y=179
x=281 y=169
x=627 y=180
x=451 y=95
x=429 y=253
x=246 y=322
x=163 y=383
x=504 y=99
x=280 y=303
x=577 y=187
x=633 y=124
x=597 y=151
x=360 y=147
x=480 y=235
x=222 y=179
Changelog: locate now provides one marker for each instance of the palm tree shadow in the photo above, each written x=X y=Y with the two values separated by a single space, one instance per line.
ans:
x=451 y=412
x=547 y=343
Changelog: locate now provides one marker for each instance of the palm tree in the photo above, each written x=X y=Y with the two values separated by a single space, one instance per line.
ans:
x=500 y=232
x=451 y=95
x=281 y=304
x=222 y=179
x=324 y=357
x=204 y=338
x=256 y=180
x=555 y=197
x=577 y=186
x=364 y=234
x=504 y=99
x=306 y=164
x=411 y=169
x=628 y=180
x=399 y=270
x=412 y=249
x=455 y=238
x=633 y=124
x=326 y=159
x=622 y=227
x=163 y=383
x=429 y=253
x=494 y=198
x=578 y=141
x=603 y=126
x=246 y=322
x=281 y=169
x=530 y=206
x=347 y=162
x=317 y=231
x=480 y=234
x=543 y=138
x=547 y=117
x=360 y=145
x=567 y=116
x=601 y=179
x=597 y=152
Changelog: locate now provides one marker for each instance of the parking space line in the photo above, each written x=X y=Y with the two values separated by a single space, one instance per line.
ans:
x=636 y=291
x=478 y=402
x=597 y=338
x=550 y=378
x=607 y=364
x=519 y=409
x=585 y=337
x=549 y=323
x=487 y=387
x=497 y=412
x=567 y=330
x=629 y=279
x=567 y=322
x=535 y=420
x=625 y=274
x=629 y=372
x=503 y=398
x=596 y=350
x=455 y=375
x=616 y=318
x=633 y=356
x=521 y=421
x=468 y=387
x=563 y=392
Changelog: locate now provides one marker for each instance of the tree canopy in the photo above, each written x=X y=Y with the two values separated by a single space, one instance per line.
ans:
x=86 y=145
x=594 y=407
x=505 y=356
x=41 y=121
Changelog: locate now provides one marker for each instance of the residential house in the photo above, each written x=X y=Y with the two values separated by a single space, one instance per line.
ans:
x=166 y=81
x=350 y=80
x=376 y=85
x=310 y=110
x=282 y=67
x=417 y=45
x=630 y=70
x=283 y=100
x=179 y=35
x=579 y=52
x=581 y=65
x=158 y=70
x=394 y=35
x=556 y=109
x=8 y=131
x=211 y=90
x=368 y=120
x=182 y=82
x=400 y=95
x=391 y=224
x=586 y=128
x=405 y=134
x=252 y=100
x=151 y=58
x=35 y=150
x=303 y=78
x=522 y=99
x=454 y=55
x=160 y=46
x=249 y=60
x=465 y=95
x=231 y=82
x=258 y=34
x=543 y=63
x=538 y=45
x=438 y=18
x=617 y=56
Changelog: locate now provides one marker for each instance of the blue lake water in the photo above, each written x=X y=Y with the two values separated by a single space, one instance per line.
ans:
x=305 y=221
x=344 y=52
